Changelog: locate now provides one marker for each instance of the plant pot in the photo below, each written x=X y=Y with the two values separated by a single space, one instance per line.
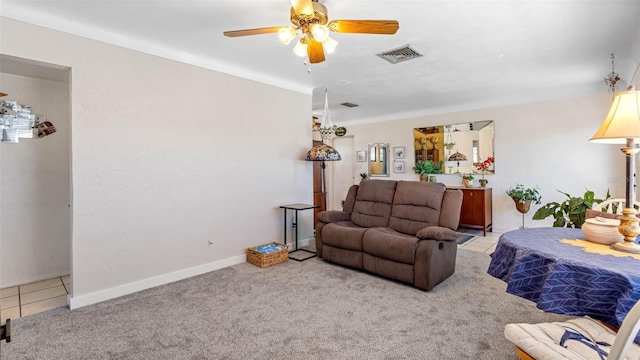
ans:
x=523 y=208
x=483 y=183
x=424 y=177
x=467 y=183
x=432 y=178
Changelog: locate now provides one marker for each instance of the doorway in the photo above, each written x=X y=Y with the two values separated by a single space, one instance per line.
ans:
x=35 y=197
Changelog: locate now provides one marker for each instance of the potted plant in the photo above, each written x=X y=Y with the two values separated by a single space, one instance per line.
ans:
x=364 y=176
x=571 y=212
x=483 y=167
x=524 y=196
x=467 y=180
x=426 y=168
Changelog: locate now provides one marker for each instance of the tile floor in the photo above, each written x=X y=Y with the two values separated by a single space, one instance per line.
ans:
x=49 y=294
x=28 y=299
x=483 y=244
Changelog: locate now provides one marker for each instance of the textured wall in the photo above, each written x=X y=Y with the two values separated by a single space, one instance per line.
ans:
x=544 y=144
x=168 y=157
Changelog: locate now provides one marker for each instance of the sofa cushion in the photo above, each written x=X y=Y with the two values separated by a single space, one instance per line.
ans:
x=343 y=235
x=344 y=257
x=389 y=244
x=389 y=269
x=373 y=203
x=416 y=205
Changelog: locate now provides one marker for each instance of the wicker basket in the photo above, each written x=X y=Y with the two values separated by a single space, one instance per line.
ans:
x=265 y=260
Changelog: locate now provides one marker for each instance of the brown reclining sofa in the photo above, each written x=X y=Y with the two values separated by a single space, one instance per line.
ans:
x=402 y=230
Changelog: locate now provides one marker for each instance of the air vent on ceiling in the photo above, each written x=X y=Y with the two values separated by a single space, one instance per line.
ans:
x=400 y=54
x=348 y=104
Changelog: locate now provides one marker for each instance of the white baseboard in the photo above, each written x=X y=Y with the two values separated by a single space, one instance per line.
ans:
x=130 y=288
x=302 y=242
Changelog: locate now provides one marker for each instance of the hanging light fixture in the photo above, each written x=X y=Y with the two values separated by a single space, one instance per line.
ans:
x=327 y=129
x=613 y=77
x=324 y=152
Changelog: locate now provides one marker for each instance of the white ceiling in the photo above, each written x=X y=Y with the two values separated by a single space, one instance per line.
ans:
x=475 y=53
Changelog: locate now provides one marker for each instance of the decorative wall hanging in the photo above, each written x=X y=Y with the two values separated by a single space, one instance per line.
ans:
x=17 y=122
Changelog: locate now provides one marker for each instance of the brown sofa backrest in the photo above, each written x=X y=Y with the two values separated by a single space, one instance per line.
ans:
x=416 y=205
x=350 y=200
x=451 y=209
x=372 y=206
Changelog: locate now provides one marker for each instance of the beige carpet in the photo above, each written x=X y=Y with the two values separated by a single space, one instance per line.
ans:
x=295 y=310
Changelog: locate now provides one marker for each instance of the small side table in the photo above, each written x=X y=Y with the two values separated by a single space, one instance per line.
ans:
x=295 y=208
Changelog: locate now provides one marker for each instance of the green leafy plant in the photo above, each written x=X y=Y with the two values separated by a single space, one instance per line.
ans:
x=364 y=176
x=521 y=194
x=428 y=167
x=571 y=212
x=467 y=177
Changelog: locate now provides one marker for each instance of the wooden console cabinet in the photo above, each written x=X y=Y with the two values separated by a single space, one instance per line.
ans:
x=476 y=209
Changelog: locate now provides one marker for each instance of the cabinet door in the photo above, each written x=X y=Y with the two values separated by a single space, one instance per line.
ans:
x=472 y=207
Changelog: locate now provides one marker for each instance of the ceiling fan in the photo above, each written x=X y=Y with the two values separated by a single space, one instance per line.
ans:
x=311 y=18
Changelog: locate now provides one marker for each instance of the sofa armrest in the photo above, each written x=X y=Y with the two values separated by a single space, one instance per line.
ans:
x=437 y=233
x=332 y=216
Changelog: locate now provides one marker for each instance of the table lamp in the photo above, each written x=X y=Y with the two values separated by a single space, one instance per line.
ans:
x=622 y=126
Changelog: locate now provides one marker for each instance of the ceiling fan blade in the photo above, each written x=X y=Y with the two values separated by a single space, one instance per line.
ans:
x=315 y=51
x=258 y=31
x=304 y=7
x=364 y=26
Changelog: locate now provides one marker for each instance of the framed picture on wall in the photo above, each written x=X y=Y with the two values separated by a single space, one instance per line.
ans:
x=398 y=152
x=398 y=166
x=361 y=155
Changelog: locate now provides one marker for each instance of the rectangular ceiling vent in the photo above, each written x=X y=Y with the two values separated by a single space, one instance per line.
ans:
x=348 y=104
x=400 y=54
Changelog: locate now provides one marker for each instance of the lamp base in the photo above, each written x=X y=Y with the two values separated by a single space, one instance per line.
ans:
x=627 y=246
x=629 y=228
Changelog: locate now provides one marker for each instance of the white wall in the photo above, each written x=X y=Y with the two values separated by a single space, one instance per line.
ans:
x=167 y=157
x=542 y=144
x=35 y=217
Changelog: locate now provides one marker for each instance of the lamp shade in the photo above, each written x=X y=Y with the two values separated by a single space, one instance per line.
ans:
x=323 y=152
x=622 y=121
x=456 y=156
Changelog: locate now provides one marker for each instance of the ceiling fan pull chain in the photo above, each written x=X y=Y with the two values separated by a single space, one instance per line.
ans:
x=307 y=63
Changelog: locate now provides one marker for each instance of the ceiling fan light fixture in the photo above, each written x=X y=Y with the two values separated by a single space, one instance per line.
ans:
x=320 y=32
x=310 y=23
x=330 y=45
x=300 y=49
x=287 y=34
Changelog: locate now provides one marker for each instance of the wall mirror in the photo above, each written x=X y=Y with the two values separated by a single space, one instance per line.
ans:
x=458 y=146
x=378 y=159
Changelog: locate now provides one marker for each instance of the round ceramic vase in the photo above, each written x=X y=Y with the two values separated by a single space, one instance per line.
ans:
x=602 y=231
